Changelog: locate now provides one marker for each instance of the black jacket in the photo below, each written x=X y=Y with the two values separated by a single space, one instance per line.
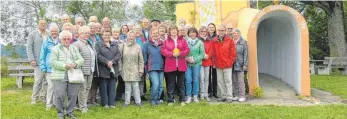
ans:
x=106 y=54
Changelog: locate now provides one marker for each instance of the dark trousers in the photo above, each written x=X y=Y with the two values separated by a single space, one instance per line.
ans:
x=120 y=88
x=107 y=90
x=93 y=90
x=171 y=84
x=61 y=89
x=212 y=87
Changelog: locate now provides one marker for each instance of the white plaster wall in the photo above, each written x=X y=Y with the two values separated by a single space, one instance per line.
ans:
x=278 y=43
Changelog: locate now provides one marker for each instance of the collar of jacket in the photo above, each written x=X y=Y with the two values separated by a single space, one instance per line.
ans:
x=153 y=43
x=191 y=40
x=217 y=38
x=241 y=41
x=104 y=44
x=50 y=39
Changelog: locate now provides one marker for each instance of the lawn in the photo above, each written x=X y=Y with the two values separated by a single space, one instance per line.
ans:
x=15 y=103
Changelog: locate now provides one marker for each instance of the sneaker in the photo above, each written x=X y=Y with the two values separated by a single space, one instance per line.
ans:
x=48 y=108
x=72 y=116
x=195 y=99
x=154 y=102
x=236 y=98
x=125 y=105
x=112 y=107
x=242 y=99
x=170 y=104
x=229 y=100
x=161 y=101
x=189 y=99
x=106 y=106
x=183 y=104
x=201 y=97
x=84 y=111
x=208 y=99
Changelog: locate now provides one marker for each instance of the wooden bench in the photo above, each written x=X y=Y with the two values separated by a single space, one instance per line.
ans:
x=324 y=67
x=18 y=66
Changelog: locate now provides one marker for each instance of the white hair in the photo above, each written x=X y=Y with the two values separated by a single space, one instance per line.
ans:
x=53 y=25
x=236 y=30
x=65 y=33
x=91 y=24
x=83 y=29
x=130 y=32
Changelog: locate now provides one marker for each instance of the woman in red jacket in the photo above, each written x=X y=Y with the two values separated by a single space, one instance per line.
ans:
x=175 y=50
x=224 y=55
x=206 y=64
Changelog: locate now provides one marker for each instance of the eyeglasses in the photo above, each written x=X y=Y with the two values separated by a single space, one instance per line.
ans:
x=230 y=28
x=202 y=31
x=66 y=38
x=221 y=30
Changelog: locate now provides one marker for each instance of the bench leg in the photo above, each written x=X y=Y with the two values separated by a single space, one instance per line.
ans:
x=19 y=81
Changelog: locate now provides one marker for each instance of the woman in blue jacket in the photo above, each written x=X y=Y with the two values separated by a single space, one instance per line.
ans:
x=154 y=65
x=45 y=64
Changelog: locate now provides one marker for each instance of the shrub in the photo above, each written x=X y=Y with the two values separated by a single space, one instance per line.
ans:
x=258 y=92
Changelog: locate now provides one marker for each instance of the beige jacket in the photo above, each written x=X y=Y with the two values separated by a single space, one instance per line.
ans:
x=132 y=62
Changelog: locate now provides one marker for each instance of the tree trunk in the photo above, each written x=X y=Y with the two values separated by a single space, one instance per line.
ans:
x=336 y=35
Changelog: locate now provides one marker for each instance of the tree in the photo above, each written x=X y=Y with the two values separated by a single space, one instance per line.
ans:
x=336 y=28
x=161 y=10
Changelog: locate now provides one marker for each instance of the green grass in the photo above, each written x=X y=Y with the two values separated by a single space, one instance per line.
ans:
x=15 y=104
x=334 y=84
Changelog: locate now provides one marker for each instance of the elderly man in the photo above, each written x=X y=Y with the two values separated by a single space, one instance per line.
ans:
x=80 y=21
x=88 y=53
x=106 y=21
x=98 y=29
x=93 y=19
x=45 y=66
x=65 y=57
x=224 y=57
x=230 y=28
x=65 y=18
x=240 y=66
x=145 y=28
x=155 y=23
x=33 y=47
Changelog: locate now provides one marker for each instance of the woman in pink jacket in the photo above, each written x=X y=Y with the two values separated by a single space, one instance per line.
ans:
x=175 y=50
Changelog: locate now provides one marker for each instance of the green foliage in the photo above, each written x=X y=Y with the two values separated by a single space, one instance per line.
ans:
x=263 y=4
x=161 y=10
x=258 y=92
x=10 y=47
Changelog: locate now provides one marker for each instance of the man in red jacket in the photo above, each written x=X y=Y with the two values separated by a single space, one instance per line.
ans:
x=224 y=57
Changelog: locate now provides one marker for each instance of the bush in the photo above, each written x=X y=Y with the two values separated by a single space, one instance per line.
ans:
x=258 y=92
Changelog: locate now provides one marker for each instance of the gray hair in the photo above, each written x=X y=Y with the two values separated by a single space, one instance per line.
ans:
x=83 y=29
x=91 y=24
x=130 y=32
x=116 y=29
x=237 y=30
x=53 y=25
x=65 y=33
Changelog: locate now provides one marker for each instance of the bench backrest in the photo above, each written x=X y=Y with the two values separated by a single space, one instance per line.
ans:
x=19 y=65
x=336 y=61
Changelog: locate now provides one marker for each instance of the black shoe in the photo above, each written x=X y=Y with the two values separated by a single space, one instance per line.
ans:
x=143 y=98
x=221 y=99
x=72 y=116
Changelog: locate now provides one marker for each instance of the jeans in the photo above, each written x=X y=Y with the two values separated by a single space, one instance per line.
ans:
x=171 y=84
x=192 y=75
x=107 y=91
x=157 y=80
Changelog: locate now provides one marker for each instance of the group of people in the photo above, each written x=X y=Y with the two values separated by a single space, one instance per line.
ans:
x=193 y=62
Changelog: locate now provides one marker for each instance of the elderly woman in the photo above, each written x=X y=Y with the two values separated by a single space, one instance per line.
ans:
x=140 y=40
x=175 y=50
x=89 y=66
x=120 y=85
x=154 y=64
x=108 y=56
x=162 y=32
x=75 y=34
x=106 y=21
x=212 y=87
x=194 y=60
x=183 y=32
x=240 y=66
x=206 y=63
x=45 y=64
x=98 y=27
x=63 y=58
x=93 y=38
x=133 y=66
x=224 y=55
x=68 y=27
x=93 y=19
x=123 y=32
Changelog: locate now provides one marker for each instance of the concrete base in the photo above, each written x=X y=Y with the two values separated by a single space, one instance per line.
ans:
x=275 y=88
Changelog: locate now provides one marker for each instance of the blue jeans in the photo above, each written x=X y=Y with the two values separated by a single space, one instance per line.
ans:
x=157 y=79
x=107 y=88
x=192 y=75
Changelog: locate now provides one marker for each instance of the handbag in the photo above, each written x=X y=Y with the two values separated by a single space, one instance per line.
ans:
x=75 y=76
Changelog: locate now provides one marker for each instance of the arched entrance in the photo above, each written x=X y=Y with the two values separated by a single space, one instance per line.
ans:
x=279 y=47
